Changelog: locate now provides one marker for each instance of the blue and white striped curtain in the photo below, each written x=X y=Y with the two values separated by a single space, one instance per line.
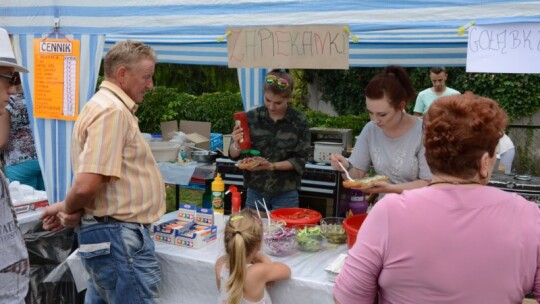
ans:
x=251 y=87
x=53 y=137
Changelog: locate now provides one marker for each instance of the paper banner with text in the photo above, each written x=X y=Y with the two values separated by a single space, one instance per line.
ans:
x=302 y=47
x=504 y=48
x=56 y=78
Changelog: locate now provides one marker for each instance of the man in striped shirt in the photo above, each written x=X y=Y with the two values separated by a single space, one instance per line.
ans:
x=117 y=183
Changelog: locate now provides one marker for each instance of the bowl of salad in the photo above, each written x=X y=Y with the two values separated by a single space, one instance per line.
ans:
x=332 y=229
x=279 y=240
x=309 y=237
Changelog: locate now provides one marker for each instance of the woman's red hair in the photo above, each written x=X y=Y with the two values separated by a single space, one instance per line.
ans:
x=458 y=130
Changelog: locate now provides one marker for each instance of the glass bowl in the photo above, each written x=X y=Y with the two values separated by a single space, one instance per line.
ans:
x=279 y=240
x=309 y=237
x=332 y=229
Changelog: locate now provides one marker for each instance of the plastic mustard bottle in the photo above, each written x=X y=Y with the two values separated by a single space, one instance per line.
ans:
x=218 y=191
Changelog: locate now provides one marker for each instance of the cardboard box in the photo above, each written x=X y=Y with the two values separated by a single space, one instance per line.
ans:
x=193 y=228
x=204 y=217
x=197 y=132
x=216 y=141
x=166 y=232
x=201 y=233
x=30 y=206
x=197 y=236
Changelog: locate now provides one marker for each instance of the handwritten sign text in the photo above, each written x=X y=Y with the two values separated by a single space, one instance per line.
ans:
x=317 y=47
x=504 y=48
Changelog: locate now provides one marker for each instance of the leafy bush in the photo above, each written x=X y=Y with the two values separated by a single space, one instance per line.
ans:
x=518 y=94
x=155 y=108
x=164 y=104
x=217 y=108
x=322 y=120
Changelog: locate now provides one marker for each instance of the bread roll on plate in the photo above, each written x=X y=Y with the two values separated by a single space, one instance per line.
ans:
x=250 y=162
x=364 y=183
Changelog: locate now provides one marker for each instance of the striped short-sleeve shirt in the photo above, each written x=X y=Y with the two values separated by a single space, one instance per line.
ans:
x=107 y=141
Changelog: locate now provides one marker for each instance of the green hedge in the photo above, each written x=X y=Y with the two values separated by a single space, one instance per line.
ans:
x=518 y=94
x=164 y=104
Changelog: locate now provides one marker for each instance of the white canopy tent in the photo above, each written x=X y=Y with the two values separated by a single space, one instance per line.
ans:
x=408 y=32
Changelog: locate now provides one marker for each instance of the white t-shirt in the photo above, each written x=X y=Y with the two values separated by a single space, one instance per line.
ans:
x=505 y=144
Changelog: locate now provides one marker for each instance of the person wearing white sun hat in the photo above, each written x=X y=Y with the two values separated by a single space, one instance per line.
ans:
x=14 y=264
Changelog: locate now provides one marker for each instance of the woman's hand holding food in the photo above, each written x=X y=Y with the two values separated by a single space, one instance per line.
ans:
x=380 y=187
x=264 y=164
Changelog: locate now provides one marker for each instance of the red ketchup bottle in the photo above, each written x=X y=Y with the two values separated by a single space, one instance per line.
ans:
x=240 y=119
x=236 y=200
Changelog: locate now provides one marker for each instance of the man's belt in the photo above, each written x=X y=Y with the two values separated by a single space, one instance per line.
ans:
x=111 y=220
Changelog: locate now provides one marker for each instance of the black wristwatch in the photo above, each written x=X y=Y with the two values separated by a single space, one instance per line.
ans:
x=349 y=167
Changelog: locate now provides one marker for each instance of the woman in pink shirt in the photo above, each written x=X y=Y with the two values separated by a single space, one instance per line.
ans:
x=456 y=240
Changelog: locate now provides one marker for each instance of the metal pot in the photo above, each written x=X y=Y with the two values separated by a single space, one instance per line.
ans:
x=207 y=157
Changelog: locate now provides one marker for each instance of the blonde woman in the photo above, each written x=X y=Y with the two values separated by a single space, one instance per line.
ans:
x=243 y=272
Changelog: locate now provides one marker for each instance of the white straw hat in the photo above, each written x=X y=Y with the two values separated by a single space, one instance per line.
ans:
x=7 y=57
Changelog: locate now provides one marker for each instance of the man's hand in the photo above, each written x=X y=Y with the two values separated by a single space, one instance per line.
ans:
x=54 y=218
x=70 y=220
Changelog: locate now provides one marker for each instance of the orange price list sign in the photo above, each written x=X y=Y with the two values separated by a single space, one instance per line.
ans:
x=56 y=78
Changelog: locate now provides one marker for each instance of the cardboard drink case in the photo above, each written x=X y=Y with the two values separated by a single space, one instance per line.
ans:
x=24 y=207
x=193 y=228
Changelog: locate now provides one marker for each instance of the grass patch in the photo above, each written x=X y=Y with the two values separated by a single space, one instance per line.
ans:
x=188 y=196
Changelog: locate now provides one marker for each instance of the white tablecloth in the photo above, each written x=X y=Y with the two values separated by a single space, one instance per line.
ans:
x=181 y=174
x=189 y=276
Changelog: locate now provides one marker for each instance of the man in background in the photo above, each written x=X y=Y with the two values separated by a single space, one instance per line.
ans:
x=117 y=183
x=438 y=76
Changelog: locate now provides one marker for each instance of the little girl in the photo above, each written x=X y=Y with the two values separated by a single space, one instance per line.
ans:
x=243 y=273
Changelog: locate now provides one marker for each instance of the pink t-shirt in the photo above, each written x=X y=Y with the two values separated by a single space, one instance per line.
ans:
x=445 y=244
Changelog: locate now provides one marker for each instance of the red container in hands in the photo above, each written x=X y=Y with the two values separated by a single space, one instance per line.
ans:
x=240 y=119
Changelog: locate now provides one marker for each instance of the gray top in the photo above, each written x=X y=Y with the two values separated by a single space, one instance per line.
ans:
x=401 y=159
x=14 y=265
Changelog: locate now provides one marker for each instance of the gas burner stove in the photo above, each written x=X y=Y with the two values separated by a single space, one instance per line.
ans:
x=516 y=183
x=524 y=185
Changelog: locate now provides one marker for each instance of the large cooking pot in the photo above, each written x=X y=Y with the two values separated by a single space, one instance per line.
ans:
x=323 y=150
x=204 y=156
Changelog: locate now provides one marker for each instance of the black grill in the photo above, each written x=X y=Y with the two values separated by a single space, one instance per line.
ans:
x=320 y=186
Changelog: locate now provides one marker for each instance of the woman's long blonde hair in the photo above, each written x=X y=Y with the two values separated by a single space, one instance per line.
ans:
x=243 y=235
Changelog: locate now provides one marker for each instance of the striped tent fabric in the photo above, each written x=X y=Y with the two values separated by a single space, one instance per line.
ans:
x=407 y=32
x=251 y=87
x=53 y=137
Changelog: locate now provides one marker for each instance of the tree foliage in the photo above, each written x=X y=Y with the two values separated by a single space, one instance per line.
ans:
x=196 y=79
x=518 y=94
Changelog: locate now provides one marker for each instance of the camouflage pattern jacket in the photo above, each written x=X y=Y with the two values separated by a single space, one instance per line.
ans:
x=286 y=139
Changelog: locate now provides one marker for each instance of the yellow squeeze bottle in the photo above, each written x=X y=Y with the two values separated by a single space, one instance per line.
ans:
x=218 y=192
